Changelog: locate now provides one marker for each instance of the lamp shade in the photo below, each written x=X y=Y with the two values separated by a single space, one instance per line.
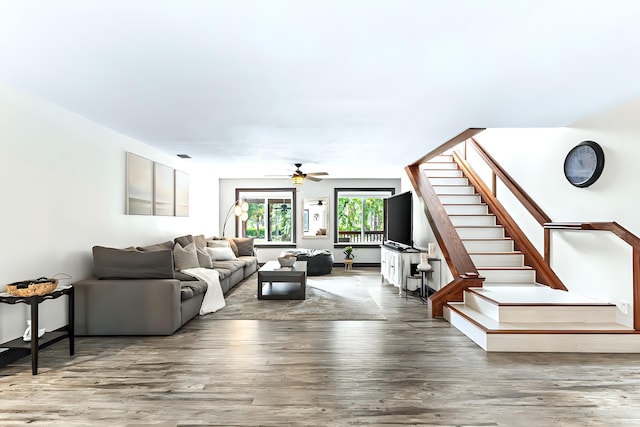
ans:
x=297 y=180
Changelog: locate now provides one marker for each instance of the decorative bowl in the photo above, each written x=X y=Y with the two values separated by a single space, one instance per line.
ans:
x=287 y=261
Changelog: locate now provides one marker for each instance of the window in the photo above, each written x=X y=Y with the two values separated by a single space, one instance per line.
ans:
x=359 y=215
x=271 y=215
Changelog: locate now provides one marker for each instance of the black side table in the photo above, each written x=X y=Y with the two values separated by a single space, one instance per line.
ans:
x=49 y=337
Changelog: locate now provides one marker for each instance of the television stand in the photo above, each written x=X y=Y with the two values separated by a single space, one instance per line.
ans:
x=395 y=264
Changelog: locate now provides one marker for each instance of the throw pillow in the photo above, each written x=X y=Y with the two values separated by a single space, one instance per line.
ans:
x=184 y=240
x=233 y=245
x=245 y=246
x=186 y=257
x=221 y=254
x=218 y=244
x=157 y=247
x=112 y=263
x=200 y=241
x=204 y=259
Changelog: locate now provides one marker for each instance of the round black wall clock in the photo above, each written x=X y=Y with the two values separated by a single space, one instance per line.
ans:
x=584 y=163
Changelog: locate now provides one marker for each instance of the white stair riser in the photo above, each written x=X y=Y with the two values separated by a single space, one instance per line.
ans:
x=508 y=276
x=472 y=220
x=482 y=305
x=540 y=313
x=497 y=245
x=466 y=209
x=449 y=181
x=476 y=334
x=498 y=260
x=440 y=165
x=465 y=199
x=542 y=342
x=562 y=343
x=442 y=158
x=558 y=314
x=441 y=173
x=480 y=233
x=454 y=189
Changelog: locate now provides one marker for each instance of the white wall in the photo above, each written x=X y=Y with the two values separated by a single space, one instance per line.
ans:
x=597 y=264
x=324 y=188
x=64 y=191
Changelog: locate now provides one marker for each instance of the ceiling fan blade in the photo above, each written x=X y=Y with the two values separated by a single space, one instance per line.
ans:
x=312 y=178
x=317 y=173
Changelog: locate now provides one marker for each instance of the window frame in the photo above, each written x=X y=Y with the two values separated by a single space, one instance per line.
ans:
x=291 y=191
x=336 y=196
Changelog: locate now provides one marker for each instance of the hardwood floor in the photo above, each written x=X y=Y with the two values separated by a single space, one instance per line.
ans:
x=406 y=370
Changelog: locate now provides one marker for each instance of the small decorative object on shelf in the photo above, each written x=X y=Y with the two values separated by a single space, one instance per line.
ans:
x=29 y=288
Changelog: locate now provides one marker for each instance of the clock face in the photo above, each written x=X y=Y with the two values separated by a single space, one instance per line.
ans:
x=584 y=163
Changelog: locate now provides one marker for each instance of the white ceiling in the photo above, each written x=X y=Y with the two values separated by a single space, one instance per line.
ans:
x=366 y=84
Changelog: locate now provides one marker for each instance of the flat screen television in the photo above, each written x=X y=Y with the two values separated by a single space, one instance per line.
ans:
x=399 y=220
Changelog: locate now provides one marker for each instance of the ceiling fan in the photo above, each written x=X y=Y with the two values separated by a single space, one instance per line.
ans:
x=298 y=176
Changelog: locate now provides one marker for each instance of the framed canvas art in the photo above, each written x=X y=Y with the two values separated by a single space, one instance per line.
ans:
x=164 y=190
x=139 y=191
x=182 y=193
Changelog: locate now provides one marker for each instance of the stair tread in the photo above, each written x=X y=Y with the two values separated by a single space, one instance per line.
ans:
x=492 y=325
x=534 y=295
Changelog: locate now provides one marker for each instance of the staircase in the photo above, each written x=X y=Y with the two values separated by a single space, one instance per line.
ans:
x=512 y=311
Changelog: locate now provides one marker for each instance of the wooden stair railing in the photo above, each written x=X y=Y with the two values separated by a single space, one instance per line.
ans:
x=624 y=234
x=453 y=250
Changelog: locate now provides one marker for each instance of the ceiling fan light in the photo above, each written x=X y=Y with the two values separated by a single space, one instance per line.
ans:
x=297 y=180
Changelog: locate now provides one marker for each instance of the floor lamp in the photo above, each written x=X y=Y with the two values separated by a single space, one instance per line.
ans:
x=239 y=208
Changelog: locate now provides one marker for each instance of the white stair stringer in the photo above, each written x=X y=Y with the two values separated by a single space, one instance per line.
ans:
x=511 y=312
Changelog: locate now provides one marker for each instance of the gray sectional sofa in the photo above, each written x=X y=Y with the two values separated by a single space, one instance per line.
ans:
x=142 y=291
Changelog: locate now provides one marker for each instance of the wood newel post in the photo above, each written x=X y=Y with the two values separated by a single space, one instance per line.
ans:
x=636 y=288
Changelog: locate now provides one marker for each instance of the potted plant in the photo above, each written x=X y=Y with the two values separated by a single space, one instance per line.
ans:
x=348 y=252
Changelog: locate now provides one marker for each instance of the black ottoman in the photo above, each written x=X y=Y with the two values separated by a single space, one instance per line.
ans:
x=319 y=261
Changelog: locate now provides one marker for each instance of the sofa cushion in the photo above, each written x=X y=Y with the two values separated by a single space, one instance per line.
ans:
x=221 y=254
x=233 y=245
x=157 y=247
x=112 y=263
x=218 y=244
x=226 y=268
x=200 y=241
x=183 y=277
x=245 y=245
x=184 y=240
x=192 y=288
x=185 y=257
x=204 y=259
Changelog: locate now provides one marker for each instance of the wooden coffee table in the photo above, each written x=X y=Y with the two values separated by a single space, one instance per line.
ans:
x=275 y=282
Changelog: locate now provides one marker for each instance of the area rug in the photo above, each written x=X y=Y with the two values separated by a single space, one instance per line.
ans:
x=330 y=297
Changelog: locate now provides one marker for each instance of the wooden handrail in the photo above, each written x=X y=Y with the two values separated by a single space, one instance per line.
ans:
x=461 y=137
x=532 y=257
x=526 y=201
x=612 y=226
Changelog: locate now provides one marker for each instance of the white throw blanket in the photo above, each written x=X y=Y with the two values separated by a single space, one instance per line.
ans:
x=213 y=297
